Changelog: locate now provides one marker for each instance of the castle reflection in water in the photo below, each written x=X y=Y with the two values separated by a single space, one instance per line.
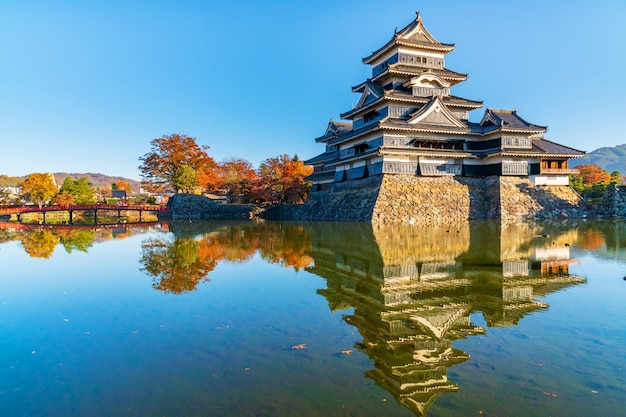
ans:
x=413 y=290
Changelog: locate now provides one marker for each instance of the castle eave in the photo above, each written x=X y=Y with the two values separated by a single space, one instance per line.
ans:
x=432 y=153
x=429 y=129
x=359 y=157
x=436 y=47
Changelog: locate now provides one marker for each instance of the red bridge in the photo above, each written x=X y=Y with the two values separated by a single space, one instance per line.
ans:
x=95 y=208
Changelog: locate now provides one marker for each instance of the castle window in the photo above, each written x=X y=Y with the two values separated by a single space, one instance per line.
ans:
x=370 y=116
x=360 y=148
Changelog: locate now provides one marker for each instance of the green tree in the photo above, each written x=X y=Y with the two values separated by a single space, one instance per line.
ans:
x=616 y=176
x=186 y=178
x=81 y=190
x=161 y=165
x=40 y=188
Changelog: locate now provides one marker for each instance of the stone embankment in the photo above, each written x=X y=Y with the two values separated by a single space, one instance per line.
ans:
x=613 y=204
x=408 y=200
x=520 y=199
x=433 y=200
x=191 y=206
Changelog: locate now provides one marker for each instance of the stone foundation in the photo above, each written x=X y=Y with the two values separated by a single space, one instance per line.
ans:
x=448 y=199
x=408 y=200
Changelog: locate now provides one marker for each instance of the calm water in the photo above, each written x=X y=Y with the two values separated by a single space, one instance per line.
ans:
x=271 y=319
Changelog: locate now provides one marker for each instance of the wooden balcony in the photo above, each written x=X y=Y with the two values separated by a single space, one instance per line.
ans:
x=559 y=171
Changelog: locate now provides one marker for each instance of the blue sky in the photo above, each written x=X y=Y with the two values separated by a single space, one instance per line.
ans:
x=86 y=85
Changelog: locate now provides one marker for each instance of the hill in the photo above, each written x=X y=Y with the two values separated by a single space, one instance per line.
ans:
x=609 y=159
x=97 y=180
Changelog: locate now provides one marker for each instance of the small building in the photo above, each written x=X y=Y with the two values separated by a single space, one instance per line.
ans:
x=407 y=122
x=121 y=194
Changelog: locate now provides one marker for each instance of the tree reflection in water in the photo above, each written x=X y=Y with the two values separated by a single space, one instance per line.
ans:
x=39 y=243
x=177 y=266
x=179 y=262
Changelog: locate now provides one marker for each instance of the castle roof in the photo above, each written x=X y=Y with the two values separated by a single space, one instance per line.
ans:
x=413 y=35
x=508 y=121
x=540 y=147
x=334 y=129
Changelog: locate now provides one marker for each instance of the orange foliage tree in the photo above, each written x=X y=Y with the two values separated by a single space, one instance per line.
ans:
x=592 y=173
x=161 y=166
x=121 y=185
x=281 y=180
x=237 y=177
x=40 y=188
x=64 y=199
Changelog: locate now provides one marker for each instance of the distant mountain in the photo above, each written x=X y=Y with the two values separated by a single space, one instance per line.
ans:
x=609 y=159
x=96 y=180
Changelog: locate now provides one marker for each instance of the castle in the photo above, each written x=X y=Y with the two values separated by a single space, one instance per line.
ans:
x=407 y=151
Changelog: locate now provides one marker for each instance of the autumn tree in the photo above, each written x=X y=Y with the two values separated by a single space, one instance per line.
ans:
x=592 y=173
x=162 y=164
x=237 y=177
x=40 y=188
x=121 y=185
x=591 y=181
x=281 y=180
x=64 y=199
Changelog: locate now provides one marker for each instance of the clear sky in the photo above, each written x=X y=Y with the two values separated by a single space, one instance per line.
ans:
x=86 y=85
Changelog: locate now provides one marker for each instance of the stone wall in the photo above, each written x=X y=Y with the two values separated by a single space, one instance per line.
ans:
x=191 y=206
x=613 y=204
x=408 y=200
x=447 y=199
x=426 y=200
x=520 y=199
x=350 y=201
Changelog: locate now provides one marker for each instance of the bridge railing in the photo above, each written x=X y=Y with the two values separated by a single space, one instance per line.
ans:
x=35 y=209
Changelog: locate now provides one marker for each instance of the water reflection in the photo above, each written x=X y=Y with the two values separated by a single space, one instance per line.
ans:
x=409 y=291
x=180 y=261
x=40 y=241
x=413 y=291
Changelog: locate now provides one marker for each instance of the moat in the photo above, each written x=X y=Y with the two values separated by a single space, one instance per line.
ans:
x=313 y=319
